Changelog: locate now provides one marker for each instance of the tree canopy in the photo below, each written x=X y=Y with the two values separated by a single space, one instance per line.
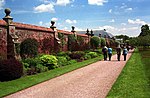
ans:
x=145 y=30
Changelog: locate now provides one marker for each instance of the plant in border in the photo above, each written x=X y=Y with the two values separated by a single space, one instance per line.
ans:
x=29 y=48
x=10 y=69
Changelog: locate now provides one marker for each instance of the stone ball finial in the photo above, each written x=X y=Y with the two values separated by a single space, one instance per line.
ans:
x=7 y=11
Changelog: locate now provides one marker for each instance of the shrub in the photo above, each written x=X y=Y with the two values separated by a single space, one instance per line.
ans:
x=29 y=48
x=40 y=68
x=95 y=42
x=49 y=61
x=71 y=62
x=86 y=57
x=103 y=42
x=77 y=54
x=31 y=62
x=10 y=69
x=92 y=54
x=62 y=61
x=31 y=66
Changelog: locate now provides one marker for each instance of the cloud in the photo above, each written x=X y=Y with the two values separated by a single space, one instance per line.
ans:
x=45 y=1
x=123 y=6
x=123 y=24
x=64 y=2
x=54 y=19
x=128 y=9
x=2 y=3
x=137 y=21
x=71 y=21
x=41 y=23
x=112 y=20
x=110 y=11
x=97 y=2
x=44 y=24
x=125 y=30
x=45 y=8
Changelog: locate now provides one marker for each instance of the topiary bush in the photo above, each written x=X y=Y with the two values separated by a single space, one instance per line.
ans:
x=10 y=69
x=49 y=61
x=103 y=42
x=95 y=42
x=29 y=48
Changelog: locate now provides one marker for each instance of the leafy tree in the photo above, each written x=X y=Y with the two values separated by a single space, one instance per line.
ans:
x=145 y=30
x=133 y=41
x=124 y=37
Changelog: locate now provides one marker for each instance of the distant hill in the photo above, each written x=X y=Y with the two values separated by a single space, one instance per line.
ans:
x=97 y=32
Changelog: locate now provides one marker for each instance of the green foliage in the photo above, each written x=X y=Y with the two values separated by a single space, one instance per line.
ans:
x=50 y=61
x=71 y=62
x=40 y=68
x=145 y=30
x=72 y=40
x=92 y=54
x=95 y=42
x=31 y=66
x=62 y=38
x=29 y=48
x=140 y=41
x=10 y=69
x=133 y=81
x=133 y=41
x=29 y=81
x=31 y=62
x=86 y=56
x=103 y=42
x=62 y=61
x=124 y=37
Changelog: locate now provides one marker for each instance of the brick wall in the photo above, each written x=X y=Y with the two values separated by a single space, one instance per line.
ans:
x=46 y=37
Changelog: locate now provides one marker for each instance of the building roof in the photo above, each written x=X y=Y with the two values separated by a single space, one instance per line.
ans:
x=97 y=32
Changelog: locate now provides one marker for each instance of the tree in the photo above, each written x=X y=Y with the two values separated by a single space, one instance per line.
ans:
x=145 y=30
x=124 y=37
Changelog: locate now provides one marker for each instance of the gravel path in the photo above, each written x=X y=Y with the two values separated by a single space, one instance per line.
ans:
x=92 y=81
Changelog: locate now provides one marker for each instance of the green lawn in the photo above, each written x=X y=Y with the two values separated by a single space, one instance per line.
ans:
x=134 y=81
x=28 y=81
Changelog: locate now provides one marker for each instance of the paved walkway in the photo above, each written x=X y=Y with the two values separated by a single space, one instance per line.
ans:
x=92 y=81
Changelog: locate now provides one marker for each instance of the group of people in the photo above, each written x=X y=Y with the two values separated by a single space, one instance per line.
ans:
x=108 y=51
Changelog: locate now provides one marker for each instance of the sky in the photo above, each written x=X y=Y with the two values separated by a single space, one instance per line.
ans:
x=116 y=16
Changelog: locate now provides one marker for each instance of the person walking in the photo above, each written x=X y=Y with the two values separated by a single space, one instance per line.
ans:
x=125 y=52
x=109 y=53
x=118 y=52
x=104 y=51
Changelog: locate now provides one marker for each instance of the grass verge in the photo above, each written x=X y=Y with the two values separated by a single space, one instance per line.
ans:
x=10 y=87
x=133 y=82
